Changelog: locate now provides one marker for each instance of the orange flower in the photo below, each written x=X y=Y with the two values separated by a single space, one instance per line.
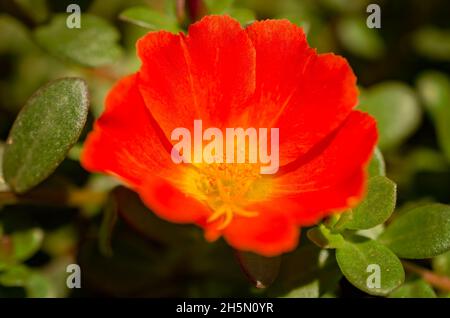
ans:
x=262 y=76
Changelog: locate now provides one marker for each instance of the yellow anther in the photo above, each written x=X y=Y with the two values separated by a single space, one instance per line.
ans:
x=224 y=188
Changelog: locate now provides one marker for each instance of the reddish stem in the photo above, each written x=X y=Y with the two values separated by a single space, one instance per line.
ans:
x=438 y=281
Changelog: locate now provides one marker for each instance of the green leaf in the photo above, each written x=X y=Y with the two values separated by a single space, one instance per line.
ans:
x=38 y=286
x=16 y=276
x=218 y=6
x=394 y=105
x=26 y=243
x=415 y=289
x=262 y=271
x=360 y=260
x=433 y=43
x=44 y=131
x=344 y=5
x=75 y=152
x=377 y=167
x=150 y=19
x=358 y=39
x=61 y=241
x=434 y=89
x=20 y=246
x=307 y=272
x=94 y=44
x=244 y=16
x=35 y=9
x=441 y=264
x=422 y=232
x=3 y=185
x=324 y=237
x=376 y=207
x=14 y=37
x=35 y=284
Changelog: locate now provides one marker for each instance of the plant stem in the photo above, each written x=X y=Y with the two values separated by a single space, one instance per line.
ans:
x=102 y=73
x=181 y=11
x=438 y=281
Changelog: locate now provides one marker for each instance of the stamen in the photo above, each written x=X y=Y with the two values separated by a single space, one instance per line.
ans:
x=225 y=187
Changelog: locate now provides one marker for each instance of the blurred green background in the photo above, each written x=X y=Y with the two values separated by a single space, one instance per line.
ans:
x=403 y=72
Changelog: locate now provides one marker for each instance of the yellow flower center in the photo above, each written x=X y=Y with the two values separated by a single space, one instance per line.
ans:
x=227 y=188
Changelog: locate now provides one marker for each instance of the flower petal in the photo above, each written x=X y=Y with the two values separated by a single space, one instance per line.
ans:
x=206 y=75
x=125 y=140
x=171 y=204
x=331 y=176
x=304 y=94
x=308 y=208
x=271 y=233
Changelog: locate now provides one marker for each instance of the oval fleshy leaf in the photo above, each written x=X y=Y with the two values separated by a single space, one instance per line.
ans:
x=441 y=264
x=422 y=232
x=94 y=44
x=377 y=167
x=3 y=185
x=432 y=43
x=394 y=105
x=150 y=19
x=434 y=89
x=44 y=131
x=26 y=243
x=362 y=260
x=359 y=40
x=376 y=207
x=415 y=289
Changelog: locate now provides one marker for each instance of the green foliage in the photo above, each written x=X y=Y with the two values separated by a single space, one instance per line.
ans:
x=309 y=272
x=356 y=257
x=414 y=289
x=35 y=145
x=432 y=43
x=93 y=44
x=35 y=9
x=441 y=264
x=150 y=19
x=345 y=6
x=26 y=244
x=377 y=206
x=125 y=249
x=14 y=36
x=20 y=246
x=377 y=166
x=219 y=6
x=243 y=15
x=422 y=232
x=325 y=238
x=358 y=39
x=3 y=185
x=35 y=284
x=395 y=107
x=434 y=88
